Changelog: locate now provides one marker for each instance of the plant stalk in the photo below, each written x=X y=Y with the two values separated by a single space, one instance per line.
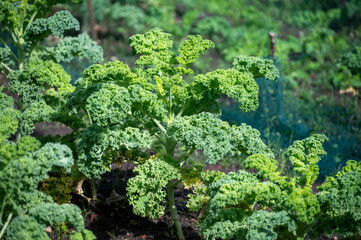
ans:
x=93 y=189
x=6 y=225
x=173 y=210
x=2 y=208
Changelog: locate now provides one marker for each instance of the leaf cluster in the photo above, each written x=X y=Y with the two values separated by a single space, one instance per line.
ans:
x=159 y=107
x=23 y=166
x=268 y=205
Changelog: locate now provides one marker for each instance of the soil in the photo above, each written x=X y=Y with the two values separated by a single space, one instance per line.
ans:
x=117 y=221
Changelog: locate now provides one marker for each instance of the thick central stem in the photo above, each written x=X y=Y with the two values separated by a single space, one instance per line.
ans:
x=170 y=146
x=173 y=210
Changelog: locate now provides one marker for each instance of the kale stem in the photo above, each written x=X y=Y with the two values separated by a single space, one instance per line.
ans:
x=93 y=189
x=8 y=48
x=6 y=225
x=159 y=125
x=31 y=20
x=183 y=108
x=6 y=67
x=90 y=119
x=173 y=210
x=2 y=208
x=186 y=154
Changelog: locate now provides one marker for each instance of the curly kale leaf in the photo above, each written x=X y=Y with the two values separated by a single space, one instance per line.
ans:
x=9 y=150
x=37 y=112
x=190 y=49
x=56 y=24
x=26 y=227
x=229 y=209
x=115 y=71
x=262 y=224
x=241 y=86
x=31 y=226
x=205 y=131
x=202 y=131
x=298 y=199
x=96 y=144
x=49 y=214
x=9 y=117
x=61 y=156
x=147 y=102
x=304 y=156
x=41 y=87
x=257 y=66
x=247 y=140
x=341 y=198
x=38 y=77
x=155 y=47
x=14 y=14
x=145 y=190
x=200 y=196
x=25 y=166
x=6 y=101
x=110 y=105
x=81 y=46
x=23 y=174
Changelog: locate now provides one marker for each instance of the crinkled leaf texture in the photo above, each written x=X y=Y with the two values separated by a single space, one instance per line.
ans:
x=257 y=66
x=110 y=105
x=96 y=144
x=22 y=175
x=24 y=165
x=31 y=226
x=341 y=196
x=41 y=87
x=235 y=204
x=230 y=214
x=8 y=116
x=145 y=190
x=206 y=131
x=81 y=46
x=56 y=24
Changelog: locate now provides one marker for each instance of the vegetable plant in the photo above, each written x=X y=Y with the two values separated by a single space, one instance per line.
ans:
x=164 y=113
x=25 y=211
x=269 y=205
x=39 y=85
x=33 y=70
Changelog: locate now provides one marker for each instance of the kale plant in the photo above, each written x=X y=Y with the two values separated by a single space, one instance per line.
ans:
x=40 y=85
x=165 y=113
x=269 y=205
x=34 y=71
x=24 y=211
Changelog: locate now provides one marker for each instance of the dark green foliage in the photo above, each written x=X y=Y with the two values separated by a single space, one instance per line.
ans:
x=153 y=107
x=23 y=166
x=258 y=67
x=114 y=97
x=236 y=204
x=81 y=46
x=36 y=89
x=341 y=196
x=56 y=24
x=97 y=147
x=205 y=131
x=145 y=191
